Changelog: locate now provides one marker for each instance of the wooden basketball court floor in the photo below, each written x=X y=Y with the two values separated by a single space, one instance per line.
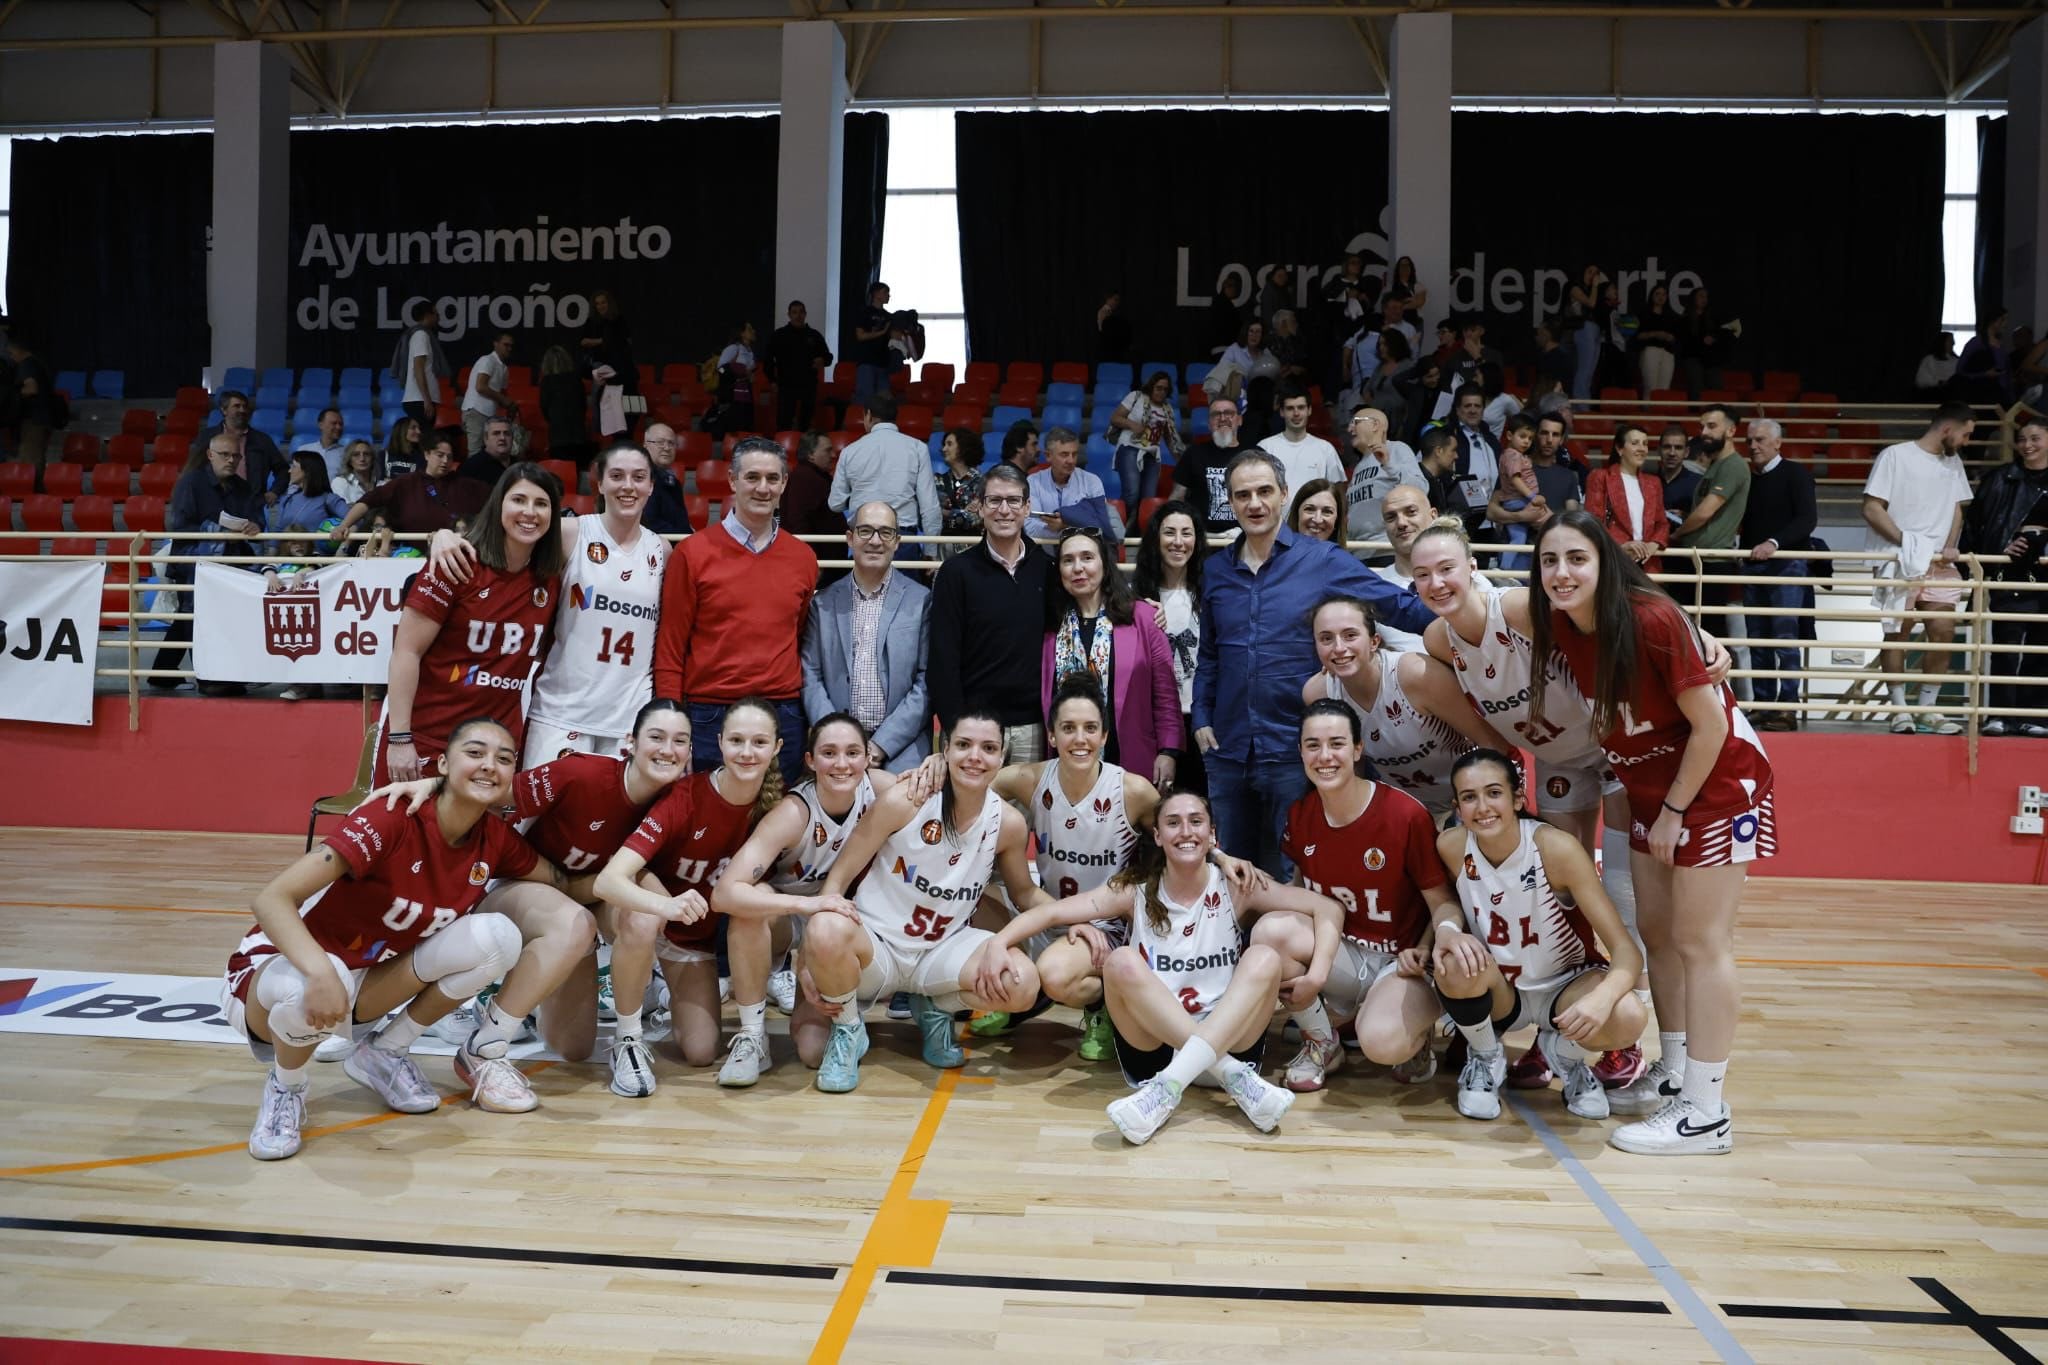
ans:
x=1887 y=1197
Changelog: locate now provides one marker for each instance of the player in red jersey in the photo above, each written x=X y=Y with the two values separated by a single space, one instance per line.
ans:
x=376 y=917
x=1699 y=793
x=684 y=844
x=1370 y=847
x=467 y=649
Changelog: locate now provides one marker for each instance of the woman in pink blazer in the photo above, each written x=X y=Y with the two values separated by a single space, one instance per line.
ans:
x=1608 y=501
x=1092 y=627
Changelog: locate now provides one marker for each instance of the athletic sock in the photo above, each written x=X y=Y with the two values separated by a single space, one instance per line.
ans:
x=1930 y=693
x=1474 y=1017
x=1563 y=1050
x=1314 y=1022
x=754 y=1018
x=1227 y=1069
x=1672 y=1045
x=1898 y=691
x=1194 y=1057
x=629 y=1025
x=1703 y=1084
x=290 y=1077
x=493 y=1037
x=849 y=1008
x=400 y=1034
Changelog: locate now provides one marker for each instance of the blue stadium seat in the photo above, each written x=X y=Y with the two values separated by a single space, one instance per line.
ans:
x=240 y=378
x=1065 y=395
x=1113 y=375
x=390 y=396
x=308 y=402
x=358 y=377
x=356 y=396
x=1004 y=418
x=1152 y=367
x=73 y=382
x=1070 y=418
x=1100 y=457
x=1198 y=425
x=109 y=383
x=271 y=422
x=359 y=420
x=936 y=443
x=277 y=377
x=352 y=434
x=268 y=397
x=1197 y=372
x=317 y=381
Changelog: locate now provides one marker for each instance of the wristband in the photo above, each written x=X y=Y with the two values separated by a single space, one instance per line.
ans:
x=399 y=737
x=1673 y=809
x=1443 y=925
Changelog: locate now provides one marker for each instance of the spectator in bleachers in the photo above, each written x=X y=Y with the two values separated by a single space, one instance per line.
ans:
x=1198 y=474
x=1715 y=521
x=667 y=513
x=1984 y=370
x=489 y=378
x=1380 y=465
x=796 y=356
x=1553 y=361
x=362 y=468
x=1247 y=372
x=1657 y=341
x=1063 y=494
x=807 y=501
x=309 y=499
x=421 y=365
x=1226 y=317
x=1468 y=363
x=733 y=604
x=1478 y=451
x=1517 y=508
x=1112 y=331
x=2010 y=499
x=988 y=620
x=326 y=441
x=564 y=409
x=1020 y=446
x=607 y=343
x=402 y=450
x=1290 y=348
x=864 y=646
x=733 y=407
x=493 y=454
x=1302 y=456
x=1582 y=309
x=1563 y=482
x=1146 y=430
x=34 y=403
x=1914 y=501
x=872 y=359
x=1626 y=499
x=1277 y=295
x=2029 y=368
x=959 y=485
x=431 y=499
x=1402 y=285
x=211 y=495
x=1404 y=515
x=1393 y=385
x=1701 y=345
x=1680 y=473
x=1315 y=513
x=887 y=466
x=1776 y=526
x=260 y=462
x=1438 y=456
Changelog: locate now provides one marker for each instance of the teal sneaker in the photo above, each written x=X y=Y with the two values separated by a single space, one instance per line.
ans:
x=844 y=1047
x=1097 y=1043
x=607 y=1012
x=940 y=1049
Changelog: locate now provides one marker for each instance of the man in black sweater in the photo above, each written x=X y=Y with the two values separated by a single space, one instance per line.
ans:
x=1776 y=525
x=988 y=621
x=797 y=355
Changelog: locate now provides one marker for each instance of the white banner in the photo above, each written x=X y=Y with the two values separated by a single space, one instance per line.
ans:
x=334 y=625
x=49 y=641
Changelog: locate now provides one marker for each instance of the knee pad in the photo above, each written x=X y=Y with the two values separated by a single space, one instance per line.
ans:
x=469 y=954
x=281 y=990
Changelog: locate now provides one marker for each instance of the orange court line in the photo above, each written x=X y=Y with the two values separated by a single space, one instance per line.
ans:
x=152 y=1158
x=160 y=909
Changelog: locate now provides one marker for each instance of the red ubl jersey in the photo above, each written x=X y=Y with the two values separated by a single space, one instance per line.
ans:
x=1648 y=740
x=687 y=839
x=578 y=808
x=493 y=636
x=404 y=884
x=1375 y=867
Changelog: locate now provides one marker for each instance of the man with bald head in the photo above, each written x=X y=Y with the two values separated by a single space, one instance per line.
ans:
x=1381 y=465
x=667 y=513
x=865 y=642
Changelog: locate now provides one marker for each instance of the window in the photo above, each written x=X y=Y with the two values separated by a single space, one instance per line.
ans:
x=6 y=191
x=921 y=233
x=1959 y=227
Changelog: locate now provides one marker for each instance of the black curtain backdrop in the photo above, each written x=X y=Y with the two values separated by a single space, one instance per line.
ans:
x=864 y=200
x=1990 y=221
x=1823 y=234
x=504 y=227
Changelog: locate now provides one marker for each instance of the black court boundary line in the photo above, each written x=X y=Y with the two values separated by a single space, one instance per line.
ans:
x=683 y=1264
x=1955 y=1313
x=1281 y=1293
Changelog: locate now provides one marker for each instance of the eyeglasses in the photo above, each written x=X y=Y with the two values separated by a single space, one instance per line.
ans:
x=1002 y=501
x=875 y=534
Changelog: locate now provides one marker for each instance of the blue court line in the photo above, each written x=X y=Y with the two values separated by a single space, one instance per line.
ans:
x=1703 y=1317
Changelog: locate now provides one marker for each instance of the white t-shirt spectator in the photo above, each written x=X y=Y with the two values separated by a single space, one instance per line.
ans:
x=421 y=347
x=1919 y=490
x=1307 y=459
x=490 y=370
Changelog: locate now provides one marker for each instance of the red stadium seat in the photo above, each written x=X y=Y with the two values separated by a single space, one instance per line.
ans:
x=93 y=512
x=1847 y=462
x=936 y=372
x=518 y=377
x=1717 y=395
x=138 y=422
x=855 y=420
x=677 y=376
x=582 y=504
x=699 y=509
x=928 y=394
x=1787 y=380
x=1806 y=431
x=970 y=393
x=1018 y=393
x=42 y=512
x=1669 y=396
x=1865 y=432
x=1615 y=393
x=1146 y=511
x=713 y=479
x=159 y=479
x=692 y=448
x=1070 y=372
x=182 y=422
x=1819 y=398
x=839 y=440
x=839 y=384
x=789 y=441
x=914 y=420
x=958 y=416
x=17 y=480
x=114 y=596
x=1026 y=371
x=192 y=398
x=984 y=372
x=74 y=546
x=899 y=380
x=647 y=377
x=144 y=512
x=126 y=449
x=81 y=447
x=111 y=480
x=537 y=441
x=165 y=449
x=65 y=480
x=565 y=470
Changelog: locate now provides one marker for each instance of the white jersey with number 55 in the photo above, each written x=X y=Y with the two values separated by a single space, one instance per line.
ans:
x=923 y=886
x=601 y=668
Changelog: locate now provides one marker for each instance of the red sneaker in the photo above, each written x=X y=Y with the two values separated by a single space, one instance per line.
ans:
x=1531 y=1072
x=1620 y=1067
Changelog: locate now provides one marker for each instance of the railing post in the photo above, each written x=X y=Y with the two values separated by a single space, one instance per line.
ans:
x=134 y=637
x=1980 y=623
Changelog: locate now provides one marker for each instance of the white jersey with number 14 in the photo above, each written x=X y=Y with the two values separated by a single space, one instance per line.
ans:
x=601 y=668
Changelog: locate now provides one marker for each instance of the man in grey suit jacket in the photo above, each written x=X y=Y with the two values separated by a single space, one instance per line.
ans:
x=864 y=647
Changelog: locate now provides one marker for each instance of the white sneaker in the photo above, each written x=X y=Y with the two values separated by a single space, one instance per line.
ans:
x=782 y=990
x=1313 y=1064
x=1479 y=1083
x=2032 y=730
x=1263 y=1102
x=1145 y=1110
x=1994 y=726
x=456 y=1025
x=1583 y=1093
x=278 y=1120
x=1934 y=723
x=1417 y=1070
x=394 y=1076
x=724 y=989
x=1902 y=724
x=745 y=1060
x=632 y=1069
x=1647 y=1093
x=1680 y=1128
x=334 y=1047
x=495 y=1085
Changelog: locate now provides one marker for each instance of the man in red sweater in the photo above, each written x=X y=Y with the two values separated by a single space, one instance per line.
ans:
x=732 y=608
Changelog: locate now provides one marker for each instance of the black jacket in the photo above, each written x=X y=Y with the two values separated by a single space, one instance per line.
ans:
x=790 y=353
x=2004 y=497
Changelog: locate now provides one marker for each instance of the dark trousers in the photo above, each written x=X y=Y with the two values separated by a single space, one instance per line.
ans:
x=1250 y=800
x=708 y=717
x=1774 y=640
x=795 y=402
x=2031 y=697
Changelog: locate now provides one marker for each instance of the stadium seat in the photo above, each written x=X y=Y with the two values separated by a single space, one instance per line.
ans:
x=1615 y=393
x=277 y=377
x=72 y=382
x=789 y=441
x=692 y=448
x=390 y=396
x=960 y=416
x=1867 y=433
x=356 y=396
x=112 y=479
x=318 y=381
x=138 y=422
x=838 y=383
x=183 y=422
x=358 y=376
x=1717 y=395
x=647 y=377
x=270 y=397
x=1107 y=398
x=272 y=423
x=1806 y=431
x=929 y=395
x=115 y=599
x=143 y=512
x=537 y=441
x=855 y=420
x=1070 y=418
x=713 y=479
x=169 y=448
x=64 y=480
x=192 y=398
x=914 y=419
x=1099 y=456
x=1148 y=509
x=565 y=470
x=1065 y=395
x=1669 y=396
x=1113 y=374
x=17 y=480
x=1070 y=372
x=1025 y=372
x=698 y=508
x=93 y=513
x=983 y=372
x=358 y=419
x=1018 y=393
x=973 y=394
x=839 y=440
x=899 y=380
x=1788 y=380
x=1196 y=373
x=158 y=480
x=81 y=447
x=74 y=547
x=1152 y=367
x=935 y=372
x=240 y=378
x=1005 y=417
x=518 y=377
x=935 y=446
x=43 y=512
x=109 y=384
x=1198 y=423
x=582 y=504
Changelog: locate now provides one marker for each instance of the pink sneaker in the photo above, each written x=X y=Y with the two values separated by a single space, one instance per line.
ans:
x=1619 y=1068
x=495 y=1084
x=1530 y=1071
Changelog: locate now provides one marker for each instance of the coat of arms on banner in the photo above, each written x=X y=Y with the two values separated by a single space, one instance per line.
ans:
x=291 y=622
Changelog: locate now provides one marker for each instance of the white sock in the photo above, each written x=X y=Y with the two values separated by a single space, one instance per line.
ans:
x=1229 y=1068
x=754 y=1018
x=849 y=1008
x=1898 y=691
x=493 y=1037
x=290 y=1077
x=400 y=1034
x=1672 y=1045
x=1480 y=1037
x=1930 y=693
x=629 y=1025
x=1314 y=1022
x=1194 y=1057
x=1562 y=1050
x=1703 y=1085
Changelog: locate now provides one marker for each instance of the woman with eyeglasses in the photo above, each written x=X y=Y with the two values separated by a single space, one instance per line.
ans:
x=1092 y=628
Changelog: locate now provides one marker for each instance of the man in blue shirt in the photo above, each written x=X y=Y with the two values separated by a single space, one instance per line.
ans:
x=1256 y=653
x=1063 y=494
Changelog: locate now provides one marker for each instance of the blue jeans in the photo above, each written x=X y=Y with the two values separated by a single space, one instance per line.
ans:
x=1250 y=801
x=1140 y=479
x=707 y=717
x=1774 y=640
x=1585 y=358
x=869 y=380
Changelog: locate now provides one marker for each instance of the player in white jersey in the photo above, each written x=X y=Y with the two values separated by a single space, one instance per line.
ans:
x=774 y=882
x=1526 y=951
x=600 y=669
x=907 y=929
x=1185 y=998
x=1414 y=719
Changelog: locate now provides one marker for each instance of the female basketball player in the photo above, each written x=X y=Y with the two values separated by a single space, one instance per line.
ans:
x=1372 y=848
x=376 y=917
x=466 y=649
x=791 y=851
x=1699 y=795
x=1184 y=1002
x=932 y=860
x=1524 y=951
x=686 y=841
x=600 y=669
